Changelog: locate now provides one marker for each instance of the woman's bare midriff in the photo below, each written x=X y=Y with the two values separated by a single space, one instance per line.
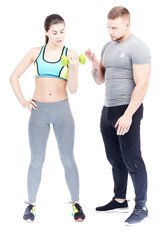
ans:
x=50 y=90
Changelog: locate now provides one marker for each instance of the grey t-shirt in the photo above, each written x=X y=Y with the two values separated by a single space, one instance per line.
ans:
x=118 y=60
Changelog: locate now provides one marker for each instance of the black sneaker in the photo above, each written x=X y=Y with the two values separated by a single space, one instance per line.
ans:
x=78 y=213
x=114 y=206
x=30 y=213
x=138 y=215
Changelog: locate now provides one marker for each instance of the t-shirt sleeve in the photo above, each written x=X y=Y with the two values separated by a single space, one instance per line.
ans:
x=103 y=50
x=140 y=54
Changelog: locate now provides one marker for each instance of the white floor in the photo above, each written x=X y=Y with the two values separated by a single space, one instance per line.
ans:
x=57 y=223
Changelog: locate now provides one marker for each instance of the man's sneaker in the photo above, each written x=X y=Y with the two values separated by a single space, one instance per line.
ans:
x=78 y=213
x=30 y=213
x=138 y=215
x=114 y=206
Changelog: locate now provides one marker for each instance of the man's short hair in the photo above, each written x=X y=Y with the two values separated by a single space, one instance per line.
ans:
x=117 y=12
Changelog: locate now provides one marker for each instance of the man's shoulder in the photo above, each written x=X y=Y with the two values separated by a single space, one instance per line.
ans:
x=106 y=46
x=138 y=51
x=136 y=42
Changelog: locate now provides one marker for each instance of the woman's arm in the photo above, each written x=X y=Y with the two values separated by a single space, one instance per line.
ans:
x=28 y=59
x=73 y=71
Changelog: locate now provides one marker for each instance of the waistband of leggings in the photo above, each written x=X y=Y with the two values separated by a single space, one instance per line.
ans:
x=52 y=103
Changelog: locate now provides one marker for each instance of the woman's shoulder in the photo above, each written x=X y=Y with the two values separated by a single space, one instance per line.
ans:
x=34 y=52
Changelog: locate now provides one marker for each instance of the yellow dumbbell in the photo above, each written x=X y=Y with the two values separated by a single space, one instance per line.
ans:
x=65 y=60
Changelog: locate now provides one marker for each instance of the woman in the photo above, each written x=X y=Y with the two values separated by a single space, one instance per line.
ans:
x=50 y=105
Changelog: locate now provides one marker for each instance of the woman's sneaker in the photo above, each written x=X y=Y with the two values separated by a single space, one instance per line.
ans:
x=138 y=215
x=30 y=213
x=78 y=213
x=114 y=206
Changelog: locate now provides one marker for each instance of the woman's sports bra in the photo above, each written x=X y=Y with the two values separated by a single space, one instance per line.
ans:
x=44 y=68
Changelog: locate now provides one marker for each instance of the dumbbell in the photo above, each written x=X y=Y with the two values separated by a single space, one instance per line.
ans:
x=65 y=60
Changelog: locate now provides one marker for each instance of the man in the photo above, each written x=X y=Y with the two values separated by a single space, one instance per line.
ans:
x=125 y=68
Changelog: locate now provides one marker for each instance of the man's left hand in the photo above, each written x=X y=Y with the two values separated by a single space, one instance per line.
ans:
x=123 y=124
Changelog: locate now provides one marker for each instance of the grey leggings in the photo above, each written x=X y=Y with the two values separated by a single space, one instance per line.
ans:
x=59 y=115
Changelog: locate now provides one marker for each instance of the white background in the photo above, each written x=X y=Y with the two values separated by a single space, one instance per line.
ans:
x=21 y=29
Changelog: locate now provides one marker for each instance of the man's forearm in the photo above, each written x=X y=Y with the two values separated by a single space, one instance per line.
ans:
x=97 y=74
x=136 y=99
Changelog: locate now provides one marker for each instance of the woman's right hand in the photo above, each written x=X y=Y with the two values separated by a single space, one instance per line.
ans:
x=91 y=56
x=30 y=104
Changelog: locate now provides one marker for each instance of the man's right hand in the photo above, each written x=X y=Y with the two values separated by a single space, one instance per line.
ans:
x=91 y=56
x=97 y=68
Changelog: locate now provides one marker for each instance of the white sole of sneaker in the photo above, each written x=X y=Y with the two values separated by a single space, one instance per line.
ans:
x=117 y=210
x=29 y=221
